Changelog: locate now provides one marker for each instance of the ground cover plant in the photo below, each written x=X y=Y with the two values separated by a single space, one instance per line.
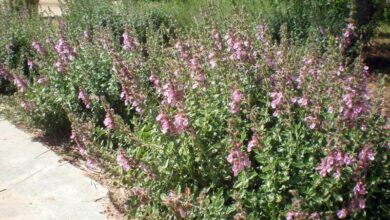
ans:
x=218 y=120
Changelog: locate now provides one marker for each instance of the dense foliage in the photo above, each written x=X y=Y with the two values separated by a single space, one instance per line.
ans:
x=218 y=120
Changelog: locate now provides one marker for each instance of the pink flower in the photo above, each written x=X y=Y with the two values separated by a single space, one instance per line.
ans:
x=22 y=86
x=290 y=215
x=293 y=100
x=72 y=135
x=172 y=94
x=217 y=39
x=4 y=72
x=315 y=216
x=340 y=70
x=30 y=64
x=348 y=160
x=155 y=81
x=237 y=97
x=330 y=109
x=25 y=105
x=342 y=213
x=367 y=154
x=165 y=122
x=109 y=120
x=85 y=99
x=277 y=98
x=123 y=161
x=59 y=66
x=182 y=49
x=348 y=36
x=91 y=164
x=359 y=189
x=64 y=51
x=253 y=143
x=261 y=33
x=129 y=43
x=38 y=47
x=302 y=101
x=335 y=161
x=87 y=34
x=42 y=80
x=212 y=59
x=197 y=73
x=82 y=151
x=181 y=122
x=239 y=160
x=361 y=203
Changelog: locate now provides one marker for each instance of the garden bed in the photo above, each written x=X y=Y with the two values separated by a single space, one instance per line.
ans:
x=236 y=117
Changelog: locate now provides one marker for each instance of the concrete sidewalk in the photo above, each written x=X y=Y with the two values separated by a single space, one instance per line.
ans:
x=49 y=8
x=34 y=184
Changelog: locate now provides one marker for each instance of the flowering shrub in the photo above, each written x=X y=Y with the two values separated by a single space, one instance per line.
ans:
x=219 y=122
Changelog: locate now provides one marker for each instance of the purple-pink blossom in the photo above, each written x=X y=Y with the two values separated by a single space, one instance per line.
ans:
x=38 y=47
x=156 y=82
x=239 y=160
x=217 y=39
x=65 y=53
x=31 y=64
x=311 y=121
x=212 y=59
x=129 y=43
x=342 y=213
x=109 y=120
x=123 y=161
x=21 y=84
x=315 y=216
x=181 y=122
x=334 y=162
x=172 y=93
x=129 y=97
x=182 y=49
x=87 y=34
x=5 y=73
x=302 y=101
x=367 y=154
x=165 y=122
x=253 y=143
x=91 y=164
x=277 y=98
x=290 y=215
x=349 y=35
x=197 y=73
x=82 y=151
x=25 y=105
x=84 y=98
x=276 y=103
x=59 y=66
x=42 y=80
x=236 y=98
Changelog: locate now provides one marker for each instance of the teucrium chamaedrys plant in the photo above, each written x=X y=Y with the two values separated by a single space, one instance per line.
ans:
x=217 y=122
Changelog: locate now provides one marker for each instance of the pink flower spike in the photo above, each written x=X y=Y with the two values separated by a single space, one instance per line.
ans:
x=239 y=160
x=315 y=216
x=84 y=98
x=123 y=161
x=181 y=122
x=109 y=121
x=91 y=164
x=253 y=143
x=82 y=151
x=342 y=213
